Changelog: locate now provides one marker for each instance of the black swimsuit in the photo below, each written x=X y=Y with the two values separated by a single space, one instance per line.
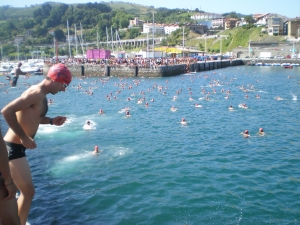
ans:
x=15 y=151
x=15 y=80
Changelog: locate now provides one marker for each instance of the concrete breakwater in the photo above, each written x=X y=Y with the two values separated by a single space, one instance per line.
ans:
x=139 y=71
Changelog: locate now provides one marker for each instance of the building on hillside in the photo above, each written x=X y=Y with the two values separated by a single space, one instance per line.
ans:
x=205 y=16
x=153 y=28
x=218 y=22
x=292 y=28
x=260 y=19
x=241 y=22
x=230 y=23
x=275 y=24
x=169 y=28
x=136 y=22
x=72 y=38
x=51 y=32
x=197 y=28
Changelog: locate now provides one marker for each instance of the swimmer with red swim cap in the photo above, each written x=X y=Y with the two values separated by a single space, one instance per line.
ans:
x=23 y=116
x=60 y=73
x=183 y=122
x=261 y=132
x=96 y=150
x=245 y=134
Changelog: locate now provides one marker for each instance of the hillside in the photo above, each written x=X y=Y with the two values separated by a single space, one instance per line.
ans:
x=35 y=26
x=231 y=39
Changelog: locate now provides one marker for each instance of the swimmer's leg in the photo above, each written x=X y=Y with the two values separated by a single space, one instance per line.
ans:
x=20 y=172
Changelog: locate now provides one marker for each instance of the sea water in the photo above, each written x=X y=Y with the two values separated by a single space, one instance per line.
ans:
x=154 y=170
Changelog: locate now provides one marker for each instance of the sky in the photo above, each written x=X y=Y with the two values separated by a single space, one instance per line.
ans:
x=289 y=8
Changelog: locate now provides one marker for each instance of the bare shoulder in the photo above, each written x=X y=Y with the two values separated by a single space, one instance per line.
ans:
x=33 y=95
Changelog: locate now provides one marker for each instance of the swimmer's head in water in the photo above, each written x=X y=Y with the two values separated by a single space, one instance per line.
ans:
x=261 y=130
x=246 y=132
x=96 y=147
x=60 y=73
x=183 y=119
x=88 y=122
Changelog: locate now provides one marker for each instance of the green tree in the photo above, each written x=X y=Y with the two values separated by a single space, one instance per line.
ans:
x=132 y=33
x=59 y=35
x=40 y=31
x=249 y=19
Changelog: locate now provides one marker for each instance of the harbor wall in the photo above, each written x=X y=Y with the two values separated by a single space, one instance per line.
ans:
x=159 y=71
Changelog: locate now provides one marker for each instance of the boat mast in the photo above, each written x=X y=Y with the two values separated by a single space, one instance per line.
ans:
x=112 y=39
x=69 y=40
x=76 y=47
x=153 y=34
x=106 y=39
x=117 y=42
x=81 y=41
x=97 y=39
x=147 y=53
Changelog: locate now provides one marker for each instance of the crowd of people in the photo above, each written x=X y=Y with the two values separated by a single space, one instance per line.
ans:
x=143 y=63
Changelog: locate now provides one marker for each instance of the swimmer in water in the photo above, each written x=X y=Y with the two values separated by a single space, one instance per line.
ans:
x=183 y=122
x=245 y=134
x=88 y=123
x=173 y=109
x=96 y=150
x=127 y=114
x=101 y=111
x=230 y=108
x=261 y=132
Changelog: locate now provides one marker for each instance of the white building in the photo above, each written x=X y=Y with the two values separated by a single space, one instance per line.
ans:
x=218 y=22
x=260 y=19
x=205 y=16
x=156 y=28
x=169 y=28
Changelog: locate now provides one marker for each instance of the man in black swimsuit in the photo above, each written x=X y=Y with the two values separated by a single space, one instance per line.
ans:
x=18 y=72
x=8 y=203
x=23 y=116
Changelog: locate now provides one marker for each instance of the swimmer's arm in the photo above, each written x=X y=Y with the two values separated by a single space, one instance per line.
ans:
x=58 y=121
x=20 y=72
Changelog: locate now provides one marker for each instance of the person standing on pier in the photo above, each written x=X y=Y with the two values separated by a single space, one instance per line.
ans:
x=23 y=116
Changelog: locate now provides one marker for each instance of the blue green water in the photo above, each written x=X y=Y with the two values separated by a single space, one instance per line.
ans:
x=152 y=169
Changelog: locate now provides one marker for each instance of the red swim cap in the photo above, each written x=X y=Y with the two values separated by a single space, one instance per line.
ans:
x=60 y=73
x=246 y=131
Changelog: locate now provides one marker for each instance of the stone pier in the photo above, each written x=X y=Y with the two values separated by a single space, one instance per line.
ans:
x=159 y=71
